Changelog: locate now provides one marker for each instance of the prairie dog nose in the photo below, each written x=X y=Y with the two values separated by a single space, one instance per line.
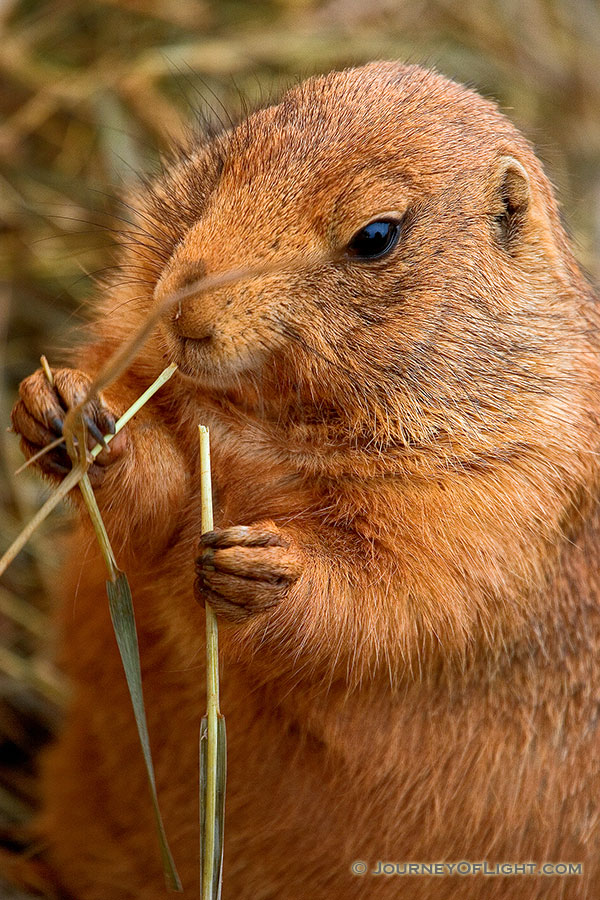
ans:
x=192 y=317
x=177 y=276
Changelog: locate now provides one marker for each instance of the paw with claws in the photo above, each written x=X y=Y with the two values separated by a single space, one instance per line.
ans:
x=245 y=570
x=38 y=417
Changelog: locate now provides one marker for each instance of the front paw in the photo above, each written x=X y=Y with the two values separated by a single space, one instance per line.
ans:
x=245 y=570
x=38 y=417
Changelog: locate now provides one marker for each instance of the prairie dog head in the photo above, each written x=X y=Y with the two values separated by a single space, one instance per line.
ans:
x=414 y=283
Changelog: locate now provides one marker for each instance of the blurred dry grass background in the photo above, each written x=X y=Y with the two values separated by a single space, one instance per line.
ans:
x=91 y=90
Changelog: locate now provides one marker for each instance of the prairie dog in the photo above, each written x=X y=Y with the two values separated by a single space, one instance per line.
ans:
x=405 y=448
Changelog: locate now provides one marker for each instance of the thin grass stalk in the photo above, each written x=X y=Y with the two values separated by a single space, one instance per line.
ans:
x=60 y=492
x=117 y=587
x=75 y=475
x=213 y=747
x=123 y=619
x=88 y=494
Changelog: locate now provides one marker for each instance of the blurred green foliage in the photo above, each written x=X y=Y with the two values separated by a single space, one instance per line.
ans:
x=92 y=90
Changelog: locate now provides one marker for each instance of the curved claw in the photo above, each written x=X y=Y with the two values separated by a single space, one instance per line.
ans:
x=57 y=424
x=95 y=432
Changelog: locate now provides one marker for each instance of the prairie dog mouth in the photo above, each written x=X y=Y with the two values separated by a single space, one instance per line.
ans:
x=211 y=359
x=191 y=354
x=195 y=342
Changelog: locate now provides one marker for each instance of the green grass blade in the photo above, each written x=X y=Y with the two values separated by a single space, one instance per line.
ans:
x=213 y=780
x=123 y=619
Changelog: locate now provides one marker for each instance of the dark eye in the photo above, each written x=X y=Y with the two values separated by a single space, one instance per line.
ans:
x=374 y=240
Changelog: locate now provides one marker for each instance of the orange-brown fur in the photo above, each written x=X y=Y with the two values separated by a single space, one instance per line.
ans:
x=410 y=662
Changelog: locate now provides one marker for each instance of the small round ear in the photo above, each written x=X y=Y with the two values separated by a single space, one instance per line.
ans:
x=513 y=199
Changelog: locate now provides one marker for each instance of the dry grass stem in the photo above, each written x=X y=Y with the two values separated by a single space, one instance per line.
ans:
x=78 y=472
x=213 y=747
